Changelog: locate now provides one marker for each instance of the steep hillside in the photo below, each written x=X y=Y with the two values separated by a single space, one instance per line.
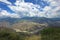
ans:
x=27 y=26
x=5 y=24
x=52 y=22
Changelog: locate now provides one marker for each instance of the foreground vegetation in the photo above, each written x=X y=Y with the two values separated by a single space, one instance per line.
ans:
x=45 y=34
x=50 y=34
x=9 y=34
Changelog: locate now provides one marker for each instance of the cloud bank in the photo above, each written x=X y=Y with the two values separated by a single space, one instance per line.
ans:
x=27 y=9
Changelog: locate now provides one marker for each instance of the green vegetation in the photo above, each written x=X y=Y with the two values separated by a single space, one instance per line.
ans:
x=45 y=34
x=9 y=34
x=50 y=34
x=33 y=37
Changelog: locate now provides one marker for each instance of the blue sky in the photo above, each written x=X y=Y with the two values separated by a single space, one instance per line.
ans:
x=39 y=8
x=4 y=6
x=39 y=2
x=12 y=1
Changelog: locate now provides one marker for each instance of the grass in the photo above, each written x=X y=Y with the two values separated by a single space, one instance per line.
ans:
x=50 y=34
x=33 y=37
x=45 y=34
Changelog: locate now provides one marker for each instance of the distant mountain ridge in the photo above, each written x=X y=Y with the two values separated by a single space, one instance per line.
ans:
x=50 y=21
x=29 y=24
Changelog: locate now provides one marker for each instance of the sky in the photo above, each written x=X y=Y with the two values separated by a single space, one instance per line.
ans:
x=30 y=8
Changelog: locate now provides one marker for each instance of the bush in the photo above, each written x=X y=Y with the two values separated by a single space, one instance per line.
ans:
x=8 y=34
x=50 y=34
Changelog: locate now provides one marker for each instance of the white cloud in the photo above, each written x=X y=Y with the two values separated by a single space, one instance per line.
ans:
x=4 y=13
x=26 y=9
x=29 y=9
x=5 y=1
x=52 y=10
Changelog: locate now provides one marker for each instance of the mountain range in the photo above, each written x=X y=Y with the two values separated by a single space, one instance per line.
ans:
x=33 y=19
x=29 y=24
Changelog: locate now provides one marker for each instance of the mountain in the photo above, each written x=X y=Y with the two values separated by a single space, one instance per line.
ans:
x=4 y=24
x=33 y=19
x=30 y=24
x=52 y=22
x=10 y=20
x=41 y=20
x=26 y=26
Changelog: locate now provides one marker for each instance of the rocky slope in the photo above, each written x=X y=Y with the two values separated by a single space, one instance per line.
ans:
x=26 y=26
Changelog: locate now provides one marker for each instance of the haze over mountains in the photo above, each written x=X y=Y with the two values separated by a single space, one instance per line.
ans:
x=29 y=24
